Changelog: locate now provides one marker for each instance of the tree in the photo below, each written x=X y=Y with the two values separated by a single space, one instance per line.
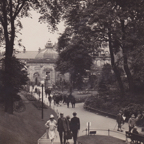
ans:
x=115 y=22
x=10 y=13
x=96 y=22
x=16 y=78
x=74 y=58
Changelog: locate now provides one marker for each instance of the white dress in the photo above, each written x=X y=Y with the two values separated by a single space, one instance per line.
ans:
x=51 y=125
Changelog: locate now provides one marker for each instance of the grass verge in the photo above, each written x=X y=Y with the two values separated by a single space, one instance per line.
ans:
x=23 y=128
x=98 y=139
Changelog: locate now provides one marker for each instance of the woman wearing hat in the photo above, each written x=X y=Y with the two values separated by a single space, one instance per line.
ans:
x=51 y=126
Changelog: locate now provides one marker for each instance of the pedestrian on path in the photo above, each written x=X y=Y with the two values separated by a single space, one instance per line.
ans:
x=75 y=126
x=119 y=120
x=73 y=101
x=68 y=101
x=131 y=122
x=51 y=128
x=62 y=128
x=69 y=133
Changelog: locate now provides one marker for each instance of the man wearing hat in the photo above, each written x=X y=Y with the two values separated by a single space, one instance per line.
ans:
x=62 y=128
x=131 y=122
x=75 y=126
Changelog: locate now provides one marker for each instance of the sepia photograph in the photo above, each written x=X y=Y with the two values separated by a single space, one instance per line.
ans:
x=71 y=71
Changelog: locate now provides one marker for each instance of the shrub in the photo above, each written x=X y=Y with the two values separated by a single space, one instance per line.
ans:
x=132 y=109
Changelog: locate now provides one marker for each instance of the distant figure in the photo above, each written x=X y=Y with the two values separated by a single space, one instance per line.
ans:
x=62 y=128
x=131 y=122
x=73 y=101
x=67 y=101
x=119 y=120
x=50 y=99
x=47 y=92
x=75 y=126
x=51 y=126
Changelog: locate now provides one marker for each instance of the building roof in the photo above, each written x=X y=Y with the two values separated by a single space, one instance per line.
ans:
x=26 y=54
x=48 y=52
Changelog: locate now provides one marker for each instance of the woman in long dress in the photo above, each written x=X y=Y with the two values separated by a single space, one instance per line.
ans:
x=51 y=126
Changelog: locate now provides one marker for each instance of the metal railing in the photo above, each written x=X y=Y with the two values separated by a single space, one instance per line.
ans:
x=94 y=132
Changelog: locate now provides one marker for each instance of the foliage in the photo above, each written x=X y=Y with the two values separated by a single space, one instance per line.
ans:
x=99 y=103
x=16 y=76
x=11 y=11
x=118 y=23
x=132 y=108
x=74 y=58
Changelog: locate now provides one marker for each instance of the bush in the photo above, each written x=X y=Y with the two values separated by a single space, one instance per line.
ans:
x=94 y=102
x=132 y=109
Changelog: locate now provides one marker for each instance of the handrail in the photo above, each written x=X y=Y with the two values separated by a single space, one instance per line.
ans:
x=109 y=130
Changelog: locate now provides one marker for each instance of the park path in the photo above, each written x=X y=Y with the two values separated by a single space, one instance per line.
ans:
x=98 y=122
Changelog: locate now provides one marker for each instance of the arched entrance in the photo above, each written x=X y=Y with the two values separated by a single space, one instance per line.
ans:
x=36 y=77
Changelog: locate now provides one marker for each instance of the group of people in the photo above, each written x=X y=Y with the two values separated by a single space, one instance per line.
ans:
x=60 y=97
x=66 y=127
x=70 y=99
x=131 y=122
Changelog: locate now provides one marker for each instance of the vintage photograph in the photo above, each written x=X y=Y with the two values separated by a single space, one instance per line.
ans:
x=71 y=71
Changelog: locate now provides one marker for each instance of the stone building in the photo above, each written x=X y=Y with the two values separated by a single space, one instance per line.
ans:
x=40 y=63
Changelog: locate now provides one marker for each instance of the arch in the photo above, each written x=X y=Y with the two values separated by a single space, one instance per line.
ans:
x=36 y=77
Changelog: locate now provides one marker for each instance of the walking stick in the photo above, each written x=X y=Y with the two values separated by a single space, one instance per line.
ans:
x=115 y=126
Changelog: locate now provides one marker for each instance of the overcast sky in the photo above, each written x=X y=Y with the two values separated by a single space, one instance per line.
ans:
x=35 y=34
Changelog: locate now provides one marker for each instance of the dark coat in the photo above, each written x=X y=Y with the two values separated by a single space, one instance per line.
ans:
x=75 y=123
x=62 y=125
x=119 y=118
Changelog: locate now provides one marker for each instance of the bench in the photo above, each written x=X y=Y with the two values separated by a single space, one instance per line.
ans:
x=135 y=138
x=92 y=132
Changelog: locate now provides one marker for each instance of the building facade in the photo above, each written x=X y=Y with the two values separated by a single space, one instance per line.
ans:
x=40 y=64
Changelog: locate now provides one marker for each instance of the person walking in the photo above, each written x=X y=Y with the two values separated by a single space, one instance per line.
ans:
x=73 y=101
x=68 y=134
x=68 y=101
x=51 y=128
x=119 y=120
x=62 y=128
x=75 y=126
x=131 y=122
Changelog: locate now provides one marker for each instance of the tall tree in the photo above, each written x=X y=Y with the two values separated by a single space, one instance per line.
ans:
x=74 y=57
x=96 y=21
x=10 y=13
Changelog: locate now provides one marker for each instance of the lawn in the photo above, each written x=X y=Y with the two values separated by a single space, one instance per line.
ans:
x=23 y=128
x=99 y=139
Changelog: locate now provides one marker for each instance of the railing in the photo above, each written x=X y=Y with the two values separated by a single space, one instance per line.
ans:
x=94 y=131
x=88 y=131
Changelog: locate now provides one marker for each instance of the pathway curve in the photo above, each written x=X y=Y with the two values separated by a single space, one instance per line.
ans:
x=97 y=121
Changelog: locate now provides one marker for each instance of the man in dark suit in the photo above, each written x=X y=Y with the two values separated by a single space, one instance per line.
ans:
x=75 y=126
x=62 y=128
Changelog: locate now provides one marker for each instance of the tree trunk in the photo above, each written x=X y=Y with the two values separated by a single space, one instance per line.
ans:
x=125 y=61
x=115 y=69
x=71 y=84
x=8 y=88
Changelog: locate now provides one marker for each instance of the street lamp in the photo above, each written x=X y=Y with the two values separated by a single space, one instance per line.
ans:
x=42 y=82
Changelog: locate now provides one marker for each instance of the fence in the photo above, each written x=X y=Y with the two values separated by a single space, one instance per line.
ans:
x=108 y=133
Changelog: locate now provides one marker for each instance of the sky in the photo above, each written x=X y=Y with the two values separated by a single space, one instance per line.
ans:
x=35 y=35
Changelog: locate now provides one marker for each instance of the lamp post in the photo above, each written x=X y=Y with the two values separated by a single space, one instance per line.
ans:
x=42 y=82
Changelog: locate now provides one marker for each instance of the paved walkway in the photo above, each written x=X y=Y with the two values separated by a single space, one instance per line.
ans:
x=98 y=122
